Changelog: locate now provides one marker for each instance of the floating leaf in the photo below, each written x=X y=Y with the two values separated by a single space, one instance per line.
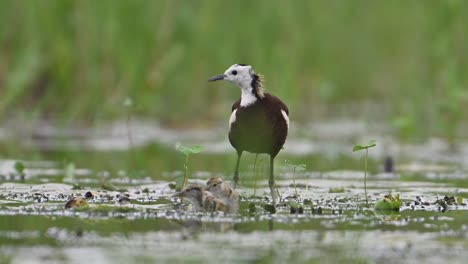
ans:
x=459 y=200
x=370 y=144
x=292 y=165
x=187 y=151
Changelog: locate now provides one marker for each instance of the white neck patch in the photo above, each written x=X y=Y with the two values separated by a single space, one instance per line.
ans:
x=247 y=97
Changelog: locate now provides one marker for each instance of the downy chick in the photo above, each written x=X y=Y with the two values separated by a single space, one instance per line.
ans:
x=222 y=191
x=202 y=200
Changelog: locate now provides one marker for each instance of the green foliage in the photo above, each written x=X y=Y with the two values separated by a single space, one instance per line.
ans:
x=19 y=167
x=69 y=172
x=404 y=126
x=294 y=167
x=252 y=208
x=80 y=59
x=358 y=147
x=389 y=203
x=269 y=208
x=187 y=151
x=370 y=144
x=294 y=204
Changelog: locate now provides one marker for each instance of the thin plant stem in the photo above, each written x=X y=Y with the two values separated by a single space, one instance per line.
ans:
x=365 y=176
x=131 y=149
x=184 y=182
x=255 y=175
x=294 y=181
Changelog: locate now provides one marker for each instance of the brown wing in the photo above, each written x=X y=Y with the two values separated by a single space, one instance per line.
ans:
x=280 y=128
x=236 y=105
x=278 y=101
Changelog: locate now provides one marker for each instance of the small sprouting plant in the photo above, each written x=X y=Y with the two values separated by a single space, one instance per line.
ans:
x=358 y=147
x=294 y=167
x=128 y=105
x=389 y=203
x=69 y=172
x=19 y=168
x=187 y=152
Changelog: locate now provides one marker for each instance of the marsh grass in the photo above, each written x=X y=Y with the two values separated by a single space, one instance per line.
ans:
x=78 y=59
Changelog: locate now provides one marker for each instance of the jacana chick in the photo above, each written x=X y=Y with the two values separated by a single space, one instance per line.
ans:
x=259 y=121
x=222 y=191
x=202 y=200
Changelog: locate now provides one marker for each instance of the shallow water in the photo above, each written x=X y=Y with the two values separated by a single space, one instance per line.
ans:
x=152 y=226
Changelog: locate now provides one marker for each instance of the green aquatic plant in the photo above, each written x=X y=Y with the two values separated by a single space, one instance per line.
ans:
x=337 y=190
x=69 y=172
x=359 y=147
x=294 y=167
x=128 y=104
x=295 y=207
x=180 y=183
x=19 y=168
x=389 y=203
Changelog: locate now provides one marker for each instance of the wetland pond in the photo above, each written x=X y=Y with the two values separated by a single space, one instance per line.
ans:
x=132 y=216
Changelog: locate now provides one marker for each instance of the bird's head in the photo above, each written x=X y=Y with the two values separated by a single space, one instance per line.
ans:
x=215 y=185
x=243 y=76
x=214 y=182
x=193 y=193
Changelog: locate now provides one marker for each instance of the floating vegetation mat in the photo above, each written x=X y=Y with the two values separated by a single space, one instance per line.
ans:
x=139 y=220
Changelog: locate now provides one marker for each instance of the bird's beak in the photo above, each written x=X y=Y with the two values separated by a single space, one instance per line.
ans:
x=178 y=194
x=217 y=78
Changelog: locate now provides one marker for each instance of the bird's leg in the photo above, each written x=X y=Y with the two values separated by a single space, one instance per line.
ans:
x=236 y=172
x=271 y=182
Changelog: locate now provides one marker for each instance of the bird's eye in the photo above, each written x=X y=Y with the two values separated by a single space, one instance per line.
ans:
x=234 y=72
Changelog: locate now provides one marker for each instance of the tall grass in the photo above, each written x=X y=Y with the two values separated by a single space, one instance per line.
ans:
x=79 y=59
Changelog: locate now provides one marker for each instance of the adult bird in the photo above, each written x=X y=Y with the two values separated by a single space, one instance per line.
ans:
x=259 y=121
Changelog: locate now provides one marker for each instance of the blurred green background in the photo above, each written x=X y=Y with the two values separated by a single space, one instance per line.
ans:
x=402 y=62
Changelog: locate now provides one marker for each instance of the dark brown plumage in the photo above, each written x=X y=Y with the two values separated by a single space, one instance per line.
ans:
x=259 y=127
x=259 y=121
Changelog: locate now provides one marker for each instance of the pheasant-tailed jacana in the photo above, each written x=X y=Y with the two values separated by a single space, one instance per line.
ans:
x=259 y=121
